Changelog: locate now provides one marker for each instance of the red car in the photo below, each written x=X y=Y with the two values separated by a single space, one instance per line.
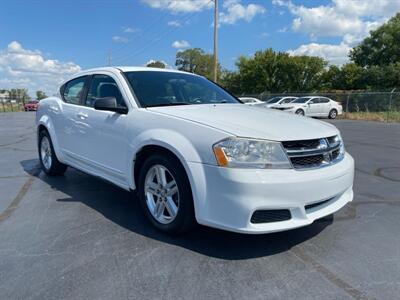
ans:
x=31 y=105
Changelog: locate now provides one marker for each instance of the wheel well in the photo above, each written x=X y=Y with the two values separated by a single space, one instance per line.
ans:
x=41 y=128
x=334 y=109
x=147 y=151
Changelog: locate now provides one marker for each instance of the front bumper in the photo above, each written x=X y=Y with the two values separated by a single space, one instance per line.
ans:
x=226 y=198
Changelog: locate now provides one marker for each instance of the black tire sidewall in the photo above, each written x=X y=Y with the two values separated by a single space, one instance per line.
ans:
x=185 y=216
x=300 y=114
x=330 y=114
x=56 y=168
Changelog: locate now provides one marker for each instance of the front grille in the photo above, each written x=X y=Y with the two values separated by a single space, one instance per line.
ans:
x=268 y=216
x=307 y=161
x=314 y=153
x=305 y=144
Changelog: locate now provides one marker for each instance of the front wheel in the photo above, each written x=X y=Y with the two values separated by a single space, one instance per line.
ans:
x=165 y=194
x=47 y=157
x=332 y=114
x=299 y=112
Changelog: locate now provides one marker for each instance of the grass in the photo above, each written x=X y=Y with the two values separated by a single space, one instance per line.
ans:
x=383 y=116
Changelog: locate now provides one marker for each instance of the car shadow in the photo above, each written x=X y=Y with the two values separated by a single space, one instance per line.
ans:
x=122 y=208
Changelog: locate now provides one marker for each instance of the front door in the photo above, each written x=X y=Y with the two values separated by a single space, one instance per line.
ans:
x=104 y=144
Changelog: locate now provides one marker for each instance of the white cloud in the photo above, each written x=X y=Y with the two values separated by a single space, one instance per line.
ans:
x=235 y=11
x=180 y=6
x=129 y=29
x=334 y=54
x=180 y=44
x=351 y=20
x=119 y=39
x=23 y=68
x=174 y=23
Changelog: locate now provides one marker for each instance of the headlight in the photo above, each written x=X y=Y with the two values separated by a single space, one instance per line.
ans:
x=342 y=150
x=248 y=153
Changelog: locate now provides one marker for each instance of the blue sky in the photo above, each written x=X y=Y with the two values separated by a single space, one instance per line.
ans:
x=42 y=42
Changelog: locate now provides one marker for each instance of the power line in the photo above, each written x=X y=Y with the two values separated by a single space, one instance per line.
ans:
x=158 y=38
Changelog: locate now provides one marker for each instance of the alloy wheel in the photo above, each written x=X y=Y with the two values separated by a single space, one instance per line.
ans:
x=45 y=152
x=162 y=194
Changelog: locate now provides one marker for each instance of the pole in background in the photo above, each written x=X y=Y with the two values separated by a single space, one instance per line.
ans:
x=215 y=40
x=347 y=105
x=390 y=105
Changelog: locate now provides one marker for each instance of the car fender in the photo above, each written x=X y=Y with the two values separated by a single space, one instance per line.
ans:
x=177 y=144
x=43 y=118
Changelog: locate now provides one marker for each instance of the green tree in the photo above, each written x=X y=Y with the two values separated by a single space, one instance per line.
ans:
x=21 y=95
x=381 y=47
x=195 y=60
x=276 y=72
x=40 y=95
x=156 y=64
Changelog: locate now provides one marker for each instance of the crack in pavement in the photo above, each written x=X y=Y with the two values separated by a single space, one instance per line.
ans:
x=329 y=275
x=18 y=198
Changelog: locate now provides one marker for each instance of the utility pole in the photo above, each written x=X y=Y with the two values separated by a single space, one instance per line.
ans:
x=215 y=40
x=109 y=58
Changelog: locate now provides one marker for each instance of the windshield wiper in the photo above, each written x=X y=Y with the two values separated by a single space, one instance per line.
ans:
x=168 y=104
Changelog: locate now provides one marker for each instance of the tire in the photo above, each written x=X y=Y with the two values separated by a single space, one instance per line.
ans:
x=163 y=218
x=300 y=112
x=332 y=114
x=47 y=157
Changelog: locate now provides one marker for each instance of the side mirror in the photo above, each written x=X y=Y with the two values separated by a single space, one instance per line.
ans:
x=109 y=104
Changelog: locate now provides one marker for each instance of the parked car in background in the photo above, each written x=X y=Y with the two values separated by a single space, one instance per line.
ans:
x=192 y=152
x=276 y=101
x=313 y=106
x=250 y=100
x=31 y=105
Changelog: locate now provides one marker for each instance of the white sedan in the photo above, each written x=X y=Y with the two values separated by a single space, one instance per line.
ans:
x=313 y=106
x=277 y=101
x=192 y=153
x=250 y=100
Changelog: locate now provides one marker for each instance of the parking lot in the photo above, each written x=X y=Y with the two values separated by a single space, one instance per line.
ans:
x=77 y=237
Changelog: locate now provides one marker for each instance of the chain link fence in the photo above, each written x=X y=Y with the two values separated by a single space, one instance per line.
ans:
x=374 y=106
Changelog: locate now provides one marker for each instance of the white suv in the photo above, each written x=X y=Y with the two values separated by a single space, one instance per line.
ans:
x=193 y=153
x=313 y=106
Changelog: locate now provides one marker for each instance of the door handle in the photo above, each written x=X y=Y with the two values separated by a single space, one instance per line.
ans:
x=81 y=115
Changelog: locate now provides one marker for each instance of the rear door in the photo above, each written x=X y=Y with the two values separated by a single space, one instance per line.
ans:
x=67 y=125
x=104 y=144
x=325 y=106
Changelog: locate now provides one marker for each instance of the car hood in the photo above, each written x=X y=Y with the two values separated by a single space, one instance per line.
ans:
x=251 y=121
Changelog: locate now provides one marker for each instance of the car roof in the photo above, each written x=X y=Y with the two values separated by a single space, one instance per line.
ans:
x=130 y=69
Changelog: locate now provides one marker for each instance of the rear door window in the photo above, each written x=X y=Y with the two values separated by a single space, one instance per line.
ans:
x=72 y=91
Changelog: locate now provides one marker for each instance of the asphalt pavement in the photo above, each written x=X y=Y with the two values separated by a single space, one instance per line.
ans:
x=78 y=237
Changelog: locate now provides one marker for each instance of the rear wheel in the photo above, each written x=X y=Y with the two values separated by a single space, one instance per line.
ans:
x=332 y=114
x=300 y=112
x=165 y=194
x=47 y=157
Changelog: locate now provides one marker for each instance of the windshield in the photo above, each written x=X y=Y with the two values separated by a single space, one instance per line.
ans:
x=274 y=100
x=154 y=88
x=301 y=100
